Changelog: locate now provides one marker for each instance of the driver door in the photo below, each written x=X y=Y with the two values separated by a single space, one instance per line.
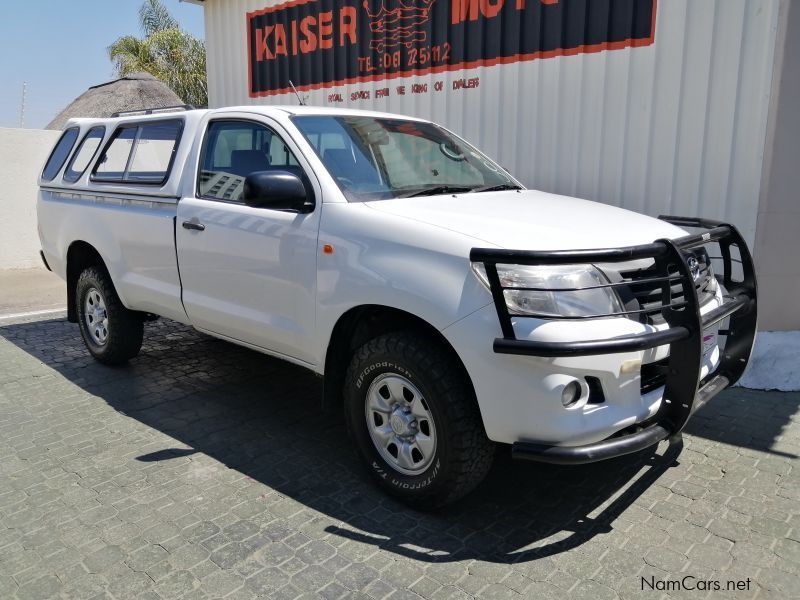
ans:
x=248 y=274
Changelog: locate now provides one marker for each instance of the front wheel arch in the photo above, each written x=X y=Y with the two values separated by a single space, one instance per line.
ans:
x=362 y=323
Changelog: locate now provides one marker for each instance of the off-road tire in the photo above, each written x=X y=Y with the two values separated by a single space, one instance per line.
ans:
x=125 y=327
x=463 y=454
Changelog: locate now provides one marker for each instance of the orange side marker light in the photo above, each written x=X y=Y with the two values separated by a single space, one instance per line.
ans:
x=327 y=249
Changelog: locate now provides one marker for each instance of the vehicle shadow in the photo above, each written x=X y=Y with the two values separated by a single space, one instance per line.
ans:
x=262 y=417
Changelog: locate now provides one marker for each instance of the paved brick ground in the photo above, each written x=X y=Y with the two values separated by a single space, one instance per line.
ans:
x=203 y=470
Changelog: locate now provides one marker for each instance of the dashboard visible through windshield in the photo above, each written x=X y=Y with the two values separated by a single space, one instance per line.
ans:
x=375 y=158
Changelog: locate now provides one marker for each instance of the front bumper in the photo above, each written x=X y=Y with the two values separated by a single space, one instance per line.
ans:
x=684 y=391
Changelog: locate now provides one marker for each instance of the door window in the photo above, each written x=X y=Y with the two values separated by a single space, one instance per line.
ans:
x=235 y=149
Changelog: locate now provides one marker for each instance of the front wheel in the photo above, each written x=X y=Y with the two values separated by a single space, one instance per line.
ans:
x=111 y=332
x=412 y=414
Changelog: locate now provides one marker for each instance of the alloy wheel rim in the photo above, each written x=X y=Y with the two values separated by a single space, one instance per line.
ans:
x=96 y=317
x=400 y=424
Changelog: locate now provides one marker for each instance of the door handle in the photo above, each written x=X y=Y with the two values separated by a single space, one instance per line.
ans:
x=193 y=225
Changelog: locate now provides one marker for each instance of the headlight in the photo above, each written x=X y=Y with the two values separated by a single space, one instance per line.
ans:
x=559 y=290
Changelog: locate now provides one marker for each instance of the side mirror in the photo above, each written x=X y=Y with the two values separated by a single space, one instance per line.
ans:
x=278 y=190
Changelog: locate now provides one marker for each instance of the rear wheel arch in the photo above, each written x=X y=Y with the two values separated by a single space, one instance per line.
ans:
x=80 y=256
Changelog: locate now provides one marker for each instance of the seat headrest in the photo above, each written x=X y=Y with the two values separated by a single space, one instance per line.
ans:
x=244 y=162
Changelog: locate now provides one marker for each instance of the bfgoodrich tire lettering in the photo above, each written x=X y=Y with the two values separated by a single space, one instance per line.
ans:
x=123 y=328
x=463 y=454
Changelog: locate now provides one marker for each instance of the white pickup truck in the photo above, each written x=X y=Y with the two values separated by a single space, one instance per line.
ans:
x=447 y=307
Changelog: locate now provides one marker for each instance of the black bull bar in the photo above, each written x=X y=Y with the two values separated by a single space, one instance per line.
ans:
x=684 y=393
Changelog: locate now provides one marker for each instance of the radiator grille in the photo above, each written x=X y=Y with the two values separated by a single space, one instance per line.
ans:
x=648 y=294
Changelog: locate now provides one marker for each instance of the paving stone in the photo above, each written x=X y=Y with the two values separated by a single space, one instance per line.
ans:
x=230 y=554
x=710 y=556
x=357 y=576
x=8 y=586
x=729 y=530
x=789 y=550
x=687 y=532
x=689 y=490
x=751 y=554
x=379 y=589
x=88 y=585
x=500 y=591
x=146 y=557
x=220 y=583
x=665 y=559
x=160 y=570
x=312 y=577
x=102 y=559
x=187 y=556
x=43 y=588
x=779 y=581
x=770 y=527
x=591 y=590
x=267 y=580
x=315 y=552
x=129 y=585
x=333 y=591
x=544 y=591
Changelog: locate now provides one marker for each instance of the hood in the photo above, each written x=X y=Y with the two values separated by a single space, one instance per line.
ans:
x=532 y=220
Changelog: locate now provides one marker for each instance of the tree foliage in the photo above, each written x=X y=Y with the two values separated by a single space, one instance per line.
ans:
x=165 y=51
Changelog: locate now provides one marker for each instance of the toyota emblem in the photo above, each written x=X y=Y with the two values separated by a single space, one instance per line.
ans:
x=694 y=267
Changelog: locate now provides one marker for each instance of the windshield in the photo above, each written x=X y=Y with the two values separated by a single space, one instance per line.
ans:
x=374 y=159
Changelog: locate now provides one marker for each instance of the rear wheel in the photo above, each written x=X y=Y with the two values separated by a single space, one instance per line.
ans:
x=111 y=332
x=414 y=419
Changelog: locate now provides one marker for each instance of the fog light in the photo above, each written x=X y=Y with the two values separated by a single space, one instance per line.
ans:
x=571 y=393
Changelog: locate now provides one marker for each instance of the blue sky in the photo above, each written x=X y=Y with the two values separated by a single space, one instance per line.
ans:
x=59 y=48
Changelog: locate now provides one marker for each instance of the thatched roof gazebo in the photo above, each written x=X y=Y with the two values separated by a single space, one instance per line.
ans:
x=132 y=92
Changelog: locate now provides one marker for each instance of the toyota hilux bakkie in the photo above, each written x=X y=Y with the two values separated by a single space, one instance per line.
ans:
x=447 y=308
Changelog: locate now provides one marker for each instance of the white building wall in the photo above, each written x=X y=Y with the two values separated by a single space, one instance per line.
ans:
x=677 y=127
x=779 y=212
x=22 y=156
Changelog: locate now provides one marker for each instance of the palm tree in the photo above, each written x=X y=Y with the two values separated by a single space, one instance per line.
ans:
x=166 y=51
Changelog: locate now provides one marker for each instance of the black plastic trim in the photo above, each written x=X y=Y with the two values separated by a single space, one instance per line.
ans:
x=608 y=448
x=627 y=343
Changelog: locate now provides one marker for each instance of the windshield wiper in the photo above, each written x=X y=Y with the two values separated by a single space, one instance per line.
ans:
x=496 y=188
x=438 y=189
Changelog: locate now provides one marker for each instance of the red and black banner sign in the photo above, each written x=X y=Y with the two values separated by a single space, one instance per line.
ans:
x=322 y=43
